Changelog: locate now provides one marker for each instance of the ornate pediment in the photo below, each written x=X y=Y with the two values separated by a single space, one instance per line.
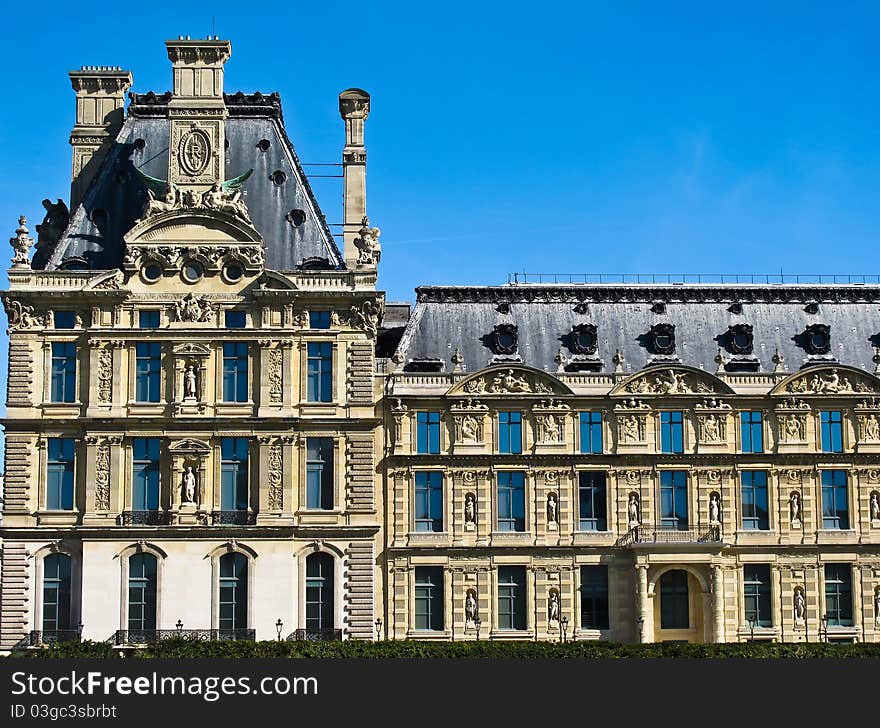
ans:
x=509 y=380
x=671 y=380
x=181 y=227
x=190 y=445
x=828 y=380
x=191 y=348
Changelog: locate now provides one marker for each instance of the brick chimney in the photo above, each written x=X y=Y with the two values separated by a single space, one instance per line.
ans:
x=100 y=100
x=354 y=107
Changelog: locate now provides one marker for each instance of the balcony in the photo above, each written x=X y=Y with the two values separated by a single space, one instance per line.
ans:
x=48 y=637
x=233 y=518
x=151 y=636
x=318 y=635
x=646 y=535
x=144 y=518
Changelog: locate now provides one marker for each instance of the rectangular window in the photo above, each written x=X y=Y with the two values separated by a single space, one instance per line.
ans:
x=59 y=474
x=234 y=474
x=838 y=595
x=428 y=433
x=236 y=320
x=148 y=372
x=145 y=475
x=594 y=597
x=319 y=319
x=751 y=431
x=320 y=372
x=674 y=600
x=592 y=499
x=672 y=432
x=511 y=501
x=511 y=597
x=591 y=432
x=429 y=597
x=835 y=508
x=319 y=473
x=148 y=319
x=235 y=371
x=753 y=484
x=832 y=431
x=63 y=372
x=673 y=499
x=756 y=587
x=429 y=501
x=510 y=432
x=64 y=319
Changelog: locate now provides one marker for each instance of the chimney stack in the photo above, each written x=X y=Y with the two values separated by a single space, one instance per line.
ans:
x=354 y=107
x=100 y=100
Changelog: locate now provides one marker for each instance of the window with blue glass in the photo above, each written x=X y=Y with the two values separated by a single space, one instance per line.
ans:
x=148 y=318
x=511 y=491
x=63 y=376
x=835 y=505
x=64 y=319
x=145 y=475
x=511 y=597
x=592 y=499
x=429 y=501
x=832 y=431
x=319 y=319
x=510 y=432
x=429 y=597
x=235 y=320
x=148 y=371
x=234 y=473
x=235 y=371
x=756 y=589
x=56 y=594
x=674 y=600
x=751 y=431
x=672 y=432
x=320 y=372
x=673 y=499
x=59 y=474
x=428 y=433
x=233 y=592
x=753 y=486
x=142 y=569
x=320 y=612
x=594 y=597
x=591 y=432
x=319 y=473
x=838 y=595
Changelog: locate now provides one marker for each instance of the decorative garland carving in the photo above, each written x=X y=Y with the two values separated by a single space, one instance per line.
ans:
x=276 y=358
x=21 y=316
x=276 y=491
x=102 y=477
x=105 y=375
x=670 y=381
x=829 y=383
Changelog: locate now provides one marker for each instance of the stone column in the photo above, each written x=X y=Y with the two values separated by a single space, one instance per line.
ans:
x=718 y=603
x=647 y=630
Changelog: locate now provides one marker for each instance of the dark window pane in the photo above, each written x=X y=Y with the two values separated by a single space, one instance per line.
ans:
x=674 y=611
x=319 y=592
x=594 y=597
x=429 y=597
x=511 y=597
x=319 y=473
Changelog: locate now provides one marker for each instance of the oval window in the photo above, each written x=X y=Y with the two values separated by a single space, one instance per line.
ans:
x=742 y=340
x=192 y=272
x=585 y=340
x=819 y=340
x=233 y=272
x=152 y=272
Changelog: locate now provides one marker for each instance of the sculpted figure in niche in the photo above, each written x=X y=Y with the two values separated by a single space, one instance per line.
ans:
x=714 y=509
x=800 y=605
x=712 y=429
x=633 y=508
x=630 y=429
x=553 y=606
x=875 y=506
x=872 y=428
x=470 y=607
x=470 y=508
x=794 y=508
x=792 y=428
x=189 y=486
x=189 y=382
x=169 y=201
x=552 y=508
x=469 y=428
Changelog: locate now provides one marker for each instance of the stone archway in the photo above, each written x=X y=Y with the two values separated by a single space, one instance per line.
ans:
x=680 y=604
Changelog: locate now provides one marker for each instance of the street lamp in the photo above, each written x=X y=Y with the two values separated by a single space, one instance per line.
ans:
x=641 y=624
x=752 y=629
x=179 y=626
x=378 y=628
x=279 y=625
x=825 y=627
x=564 y=621
x=477 y=623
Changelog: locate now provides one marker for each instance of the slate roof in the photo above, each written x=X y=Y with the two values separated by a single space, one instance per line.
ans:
x=450 y=317
x=116 y=196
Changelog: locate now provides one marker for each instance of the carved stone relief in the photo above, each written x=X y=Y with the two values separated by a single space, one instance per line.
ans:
x=105 y=375
x=102 y=476
x=276 y=357
x=275 y=466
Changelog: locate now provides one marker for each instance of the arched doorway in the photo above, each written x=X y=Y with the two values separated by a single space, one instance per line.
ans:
x=319 y=594
x=679 y=607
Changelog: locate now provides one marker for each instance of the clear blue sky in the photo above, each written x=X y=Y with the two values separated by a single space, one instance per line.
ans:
x=601 y=137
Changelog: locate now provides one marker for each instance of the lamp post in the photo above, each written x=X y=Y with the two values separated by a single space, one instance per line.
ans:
x=179 y=626
x=477 y=623
x=825 y=628
x=378 y=628
x=279 y=625
x=564 y=622
x=752 y=629
x=79 y=631
x=641 y=625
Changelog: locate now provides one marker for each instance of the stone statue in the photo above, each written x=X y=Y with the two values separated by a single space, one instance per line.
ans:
x=21 y=245
x=553 y=606
x=552 y=508
x=192 y=308
x=189 y=486
x=714 y=509
x=469 y=428
x=470 y=509
x=794 y=509
x=366 y=317
x=470 y=607
x=189 y=386
x=633 y=509
x=800 y=605
x=872 y=427
x=367 y=243
x=630 y=431
x=793 y=429
x=20 y=315
x=170 y=201
x=711 y=429
x=229 y=201
x=875 y=506
x=50 y=230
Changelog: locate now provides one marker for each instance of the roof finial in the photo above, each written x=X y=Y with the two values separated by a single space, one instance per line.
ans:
x=457 y=360
x=719 y=360
x=21 y=244
x=618 y=360
x=876 y=360
x=560 y=361
x=779 y=361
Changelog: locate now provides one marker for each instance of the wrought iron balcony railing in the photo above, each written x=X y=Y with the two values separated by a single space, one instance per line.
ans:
x=318 y=635
x=47 y=637
x=668 y=534
x=151 y=636
x=144 y=518
x=233 y=518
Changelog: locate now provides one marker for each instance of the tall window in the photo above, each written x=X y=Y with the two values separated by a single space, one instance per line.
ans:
x=592 y=499
x=234 y=474
x=753 y=484
x=64 y=319
x=673 y=499
x=141 y=592
x=751 y=431
x=835 y=508
x=510 y=432
x=591 y=432
x=512 y=501
x=56 y=593
x=233 y=592
x=429 y=597
x=59 y=474
x=832 y=431
x=235 y=371
x=319 y=473
x=428 y=433
x=674 y=600
x=320 y=372
x=594 y=597
x=145 y=475
x=319 y=592
x=838 y=595
x=429 y=501
x=511 y=597
x=148 y=318
x=672 y=432
x=63 y=378
x=148 y=367
x=756 y=585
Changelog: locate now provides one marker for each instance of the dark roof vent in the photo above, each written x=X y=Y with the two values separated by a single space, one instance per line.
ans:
x=815 y=339
x=735 y=308
x=99 y=217
x=139 y=145
x=315 y=263
x=583 y=339
x=503 y=307
x=296 y=217
x=738 y=339
x=75 y=263
x=425 y=364
x=263 y=145
x=812 y=308
x=278 y=178
x=504 y=339
x=582 y=308
x=660 y=339
x=658 y=307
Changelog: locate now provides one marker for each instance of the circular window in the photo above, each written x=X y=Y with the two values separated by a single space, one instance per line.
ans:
x=296 y=217
x=506 y=340
x=233 y=272
x=192 y=272
x=819 y=340
x=585 y=341
x=263 y=145
x=742 y=340
x=663 y=341
x=152 y=272
x=278 y=178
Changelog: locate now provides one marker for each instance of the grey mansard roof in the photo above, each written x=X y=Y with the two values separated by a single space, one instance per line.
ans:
x=450 y=317
x=116 y=197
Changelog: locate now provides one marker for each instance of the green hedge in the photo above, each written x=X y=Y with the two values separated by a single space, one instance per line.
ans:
x=174 y=648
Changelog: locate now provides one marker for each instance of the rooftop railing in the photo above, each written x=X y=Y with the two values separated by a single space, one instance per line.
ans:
x=695 y=278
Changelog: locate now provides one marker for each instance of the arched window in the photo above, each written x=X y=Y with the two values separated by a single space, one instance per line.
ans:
x=233 y=592
x=674 y=600
x=319 y=592
x=56 y=595
x=141 y=594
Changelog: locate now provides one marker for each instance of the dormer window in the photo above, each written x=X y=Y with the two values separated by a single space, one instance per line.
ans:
x=505 y=339
x=817 y=339
x=583 y=339
x=662 y=339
